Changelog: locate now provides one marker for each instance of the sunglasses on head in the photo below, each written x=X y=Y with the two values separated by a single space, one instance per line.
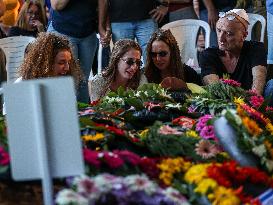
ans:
x=161 y=54
x=230 y=17
x=131 y=61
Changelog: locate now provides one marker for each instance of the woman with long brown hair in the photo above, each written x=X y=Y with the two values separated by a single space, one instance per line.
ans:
x=123 y=70
x=163 y=62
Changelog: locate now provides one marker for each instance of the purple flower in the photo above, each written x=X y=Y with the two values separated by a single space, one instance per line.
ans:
x=191 y=109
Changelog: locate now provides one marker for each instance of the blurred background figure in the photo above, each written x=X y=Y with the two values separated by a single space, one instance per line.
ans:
x=134 y=19
x=31 y=19
x=11 y=14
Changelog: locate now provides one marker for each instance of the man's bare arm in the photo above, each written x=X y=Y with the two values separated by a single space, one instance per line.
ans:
x=58 y=4
x=211 y=78
x=212 y=13
x=259 y=78
x=104 y=22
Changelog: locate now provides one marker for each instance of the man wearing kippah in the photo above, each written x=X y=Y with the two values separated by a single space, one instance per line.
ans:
x=244 y=61
x=209 y=9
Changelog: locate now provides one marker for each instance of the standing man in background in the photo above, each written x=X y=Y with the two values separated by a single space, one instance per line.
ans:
x=134 y=19
x=77 y=21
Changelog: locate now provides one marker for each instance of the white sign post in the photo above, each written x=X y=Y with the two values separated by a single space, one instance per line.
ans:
x=43 y=131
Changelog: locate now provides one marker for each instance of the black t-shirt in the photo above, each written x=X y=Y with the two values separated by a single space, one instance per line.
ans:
x=78 y=19
x=252 y=54
x=16 y=31
x=130 y=10
x=219 y=4
x=191 y=76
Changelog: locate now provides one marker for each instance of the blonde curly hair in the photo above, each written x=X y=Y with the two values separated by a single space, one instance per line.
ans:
x=39 y=60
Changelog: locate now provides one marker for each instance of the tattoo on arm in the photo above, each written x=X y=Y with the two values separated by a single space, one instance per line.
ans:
x=259 y=78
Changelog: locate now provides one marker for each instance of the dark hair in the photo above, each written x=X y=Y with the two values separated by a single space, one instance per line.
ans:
x=176 y=66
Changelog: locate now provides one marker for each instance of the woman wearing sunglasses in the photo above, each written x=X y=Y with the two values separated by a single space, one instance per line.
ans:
x=164 y=63
x=123 y=70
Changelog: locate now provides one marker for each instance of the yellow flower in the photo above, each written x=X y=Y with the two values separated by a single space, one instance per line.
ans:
x=167 y=178
x=224 y=196
x=269 y=127
x=240 y=111
x=252 y=127
x=196 y=173
x=192 y=133
x=96 y=137
x=268 y=146
x=205 y=185
x=169 y=167
x=238 y=100
x=225 y=155
x=144 y=133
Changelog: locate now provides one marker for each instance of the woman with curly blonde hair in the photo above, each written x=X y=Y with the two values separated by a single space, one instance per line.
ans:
x=50 y=55
x=123 y=70
x=164 y=64
x=31 y=19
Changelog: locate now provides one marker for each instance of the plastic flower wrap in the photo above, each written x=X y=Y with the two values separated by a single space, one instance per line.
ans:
x=254 y=133
x=109 y=189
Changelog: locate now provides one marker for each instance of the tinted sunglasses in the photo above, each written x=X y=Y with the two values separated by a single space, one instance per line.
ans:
x=161 y=54
x=131 y=61
x=231 y=17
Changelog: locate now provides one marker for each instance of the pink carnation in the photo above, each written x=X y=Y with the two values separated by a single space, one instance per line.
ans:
x=256 y=101
x=269 y=109
x=128 y=156
x=113 y=160
x=4 y=157
x=208 y=132
x=202 y=122
x=231 y=82
x=91 y=157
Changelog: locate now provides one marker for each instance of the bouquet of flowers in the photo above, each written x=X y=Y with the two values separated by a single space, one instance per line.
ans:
x=107 y=189
x=218 y=96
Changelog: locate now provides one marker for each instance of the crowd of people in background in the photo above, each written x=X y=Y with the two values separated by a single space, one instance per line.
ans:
x=66 y=32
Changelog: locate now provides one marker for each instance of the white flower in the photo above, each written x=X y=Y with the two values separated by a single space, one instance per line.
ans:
x=138 y=94
x=114 y=100
x=105 y=182
x=86 y=187
x=172 y=105
x=68 y=196
x=175 y=196
x=269 y=165
x=140 y=183
x=259 y=150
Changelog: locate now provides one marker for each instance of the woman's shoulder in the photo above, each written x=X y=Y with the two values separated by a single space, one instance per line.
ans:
x=97 y=77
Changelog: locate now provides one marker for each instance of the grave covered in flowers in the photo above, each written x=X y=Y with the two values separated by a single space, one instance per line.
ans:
x=155 y=145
